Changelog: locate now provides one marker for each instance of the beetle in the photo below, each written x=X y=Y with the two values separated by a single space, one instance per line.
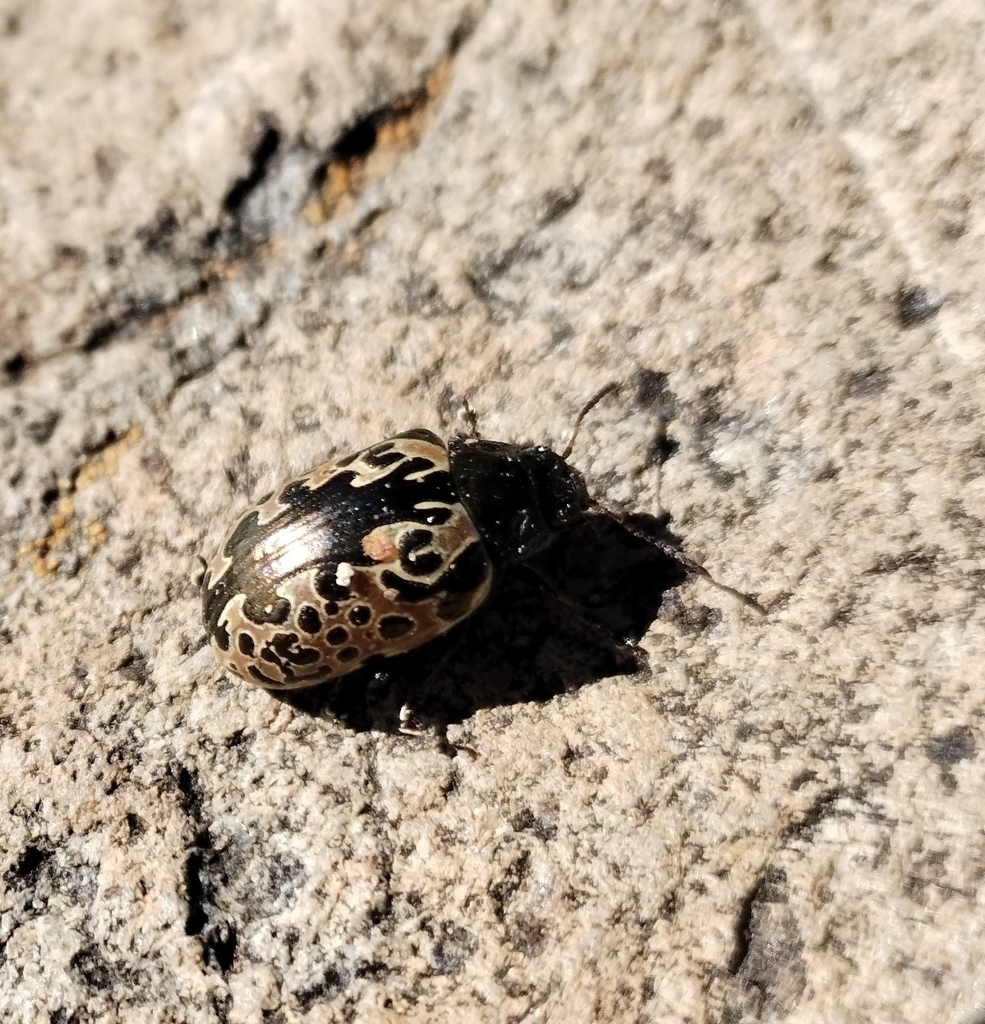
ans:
x=383 y=551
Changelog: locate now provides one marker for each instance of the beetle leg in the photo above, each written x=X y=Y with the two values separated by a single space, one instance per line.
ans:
x=412 y=725
x=629 y=653
x=456 y=411
x=412 y=722
x=628 y=522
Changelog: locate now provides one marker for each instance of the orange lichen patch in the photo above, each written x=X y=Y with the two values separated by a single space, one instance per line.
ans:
x=38 y=552
x=351 y=255
x=107 y=461
x=338 y=181
x=95 y=533
x=219 y=271
x=436 y=84
x=62 y=517
x=42 y=553
x=376 y=143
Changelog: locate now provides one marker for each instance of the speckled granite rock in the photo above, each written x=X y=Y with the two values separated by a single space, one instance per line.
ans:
x=234 y=245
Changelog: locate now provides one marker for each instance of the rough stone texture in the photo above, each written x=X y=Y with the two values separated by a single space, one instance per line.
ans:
x=238 y=240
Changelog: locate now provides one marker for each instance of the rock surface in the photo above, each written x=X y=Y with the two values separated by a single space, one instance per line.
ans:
x=235 y=243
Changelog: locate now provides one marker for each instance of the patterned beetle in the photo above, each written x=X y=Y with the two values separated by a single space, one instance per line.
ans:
x=382 y=551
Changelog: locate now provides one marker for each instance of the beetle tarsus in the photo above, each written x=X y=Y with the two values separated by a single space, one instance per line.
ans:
x=410 y=723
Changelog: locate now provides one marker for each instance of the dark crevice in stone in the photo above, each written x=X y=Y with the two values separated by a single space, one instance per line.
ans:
x=203 y=877
x=99 y=974
x=558 y=202
x=100 y=334
x=93 y=448
x=743 y=928
x=15 y=366
x=134 y=311
x=134 y=667
x=29 y=865
x=381 y=913
x=179 y=778
x=920 y=559
x=396 y=125
x=865 y=383
x=42 y=426
x=359 y=139
x=815 y=814
x=89 y=965
x=192 y=364
x=338 y=976
x=252 y=210
x=221 y=1005
x=453 y=946
x=503 y=891
x=265 y=149
x=62 y=1016
x=158 y=234
x=526 y=821
x=957 y=744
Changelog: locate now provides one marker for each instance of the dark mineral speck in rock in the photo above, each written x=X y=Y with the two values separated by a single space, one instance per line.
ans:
x=916 y=304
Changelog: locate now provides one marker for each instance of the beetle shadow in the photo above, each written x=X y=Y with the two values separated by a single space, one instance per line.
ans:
x=572 y=617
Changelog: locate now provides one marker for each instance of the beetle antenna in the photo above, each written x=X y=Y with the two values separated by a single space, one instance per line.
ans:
x=609 y=389
x=694 y=568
